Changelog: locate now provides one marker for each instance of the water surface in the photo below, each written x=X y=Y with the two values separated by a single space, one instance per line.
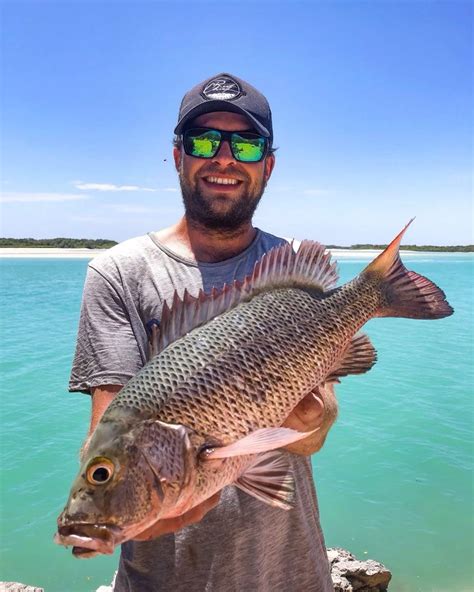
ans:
x=394 y=480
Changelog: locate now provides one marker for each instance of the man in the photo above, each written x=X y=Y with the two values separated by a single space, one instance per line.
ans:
x=224 y=158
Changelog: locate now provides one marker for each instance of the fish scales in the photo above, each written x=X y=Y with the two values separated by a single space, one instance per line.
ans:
x=281 y=342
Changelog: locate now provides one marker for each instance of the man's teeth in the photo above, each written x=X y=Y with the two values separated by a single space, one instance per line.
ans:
x=222 y=181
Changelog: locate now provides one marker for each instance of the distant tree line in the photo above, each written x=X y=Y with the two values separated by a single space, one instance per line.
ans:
x=445 y=249
x=58 y=243
x=102 y=243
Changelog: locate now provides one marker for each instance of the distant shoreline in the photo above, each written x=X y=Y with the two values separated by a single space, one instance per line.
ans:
x=91 y=247
x=68 y=253
x=48 y=253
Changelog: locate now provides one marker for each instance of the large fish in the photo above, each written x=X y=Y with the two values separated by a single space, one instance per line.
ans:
x=207 y=410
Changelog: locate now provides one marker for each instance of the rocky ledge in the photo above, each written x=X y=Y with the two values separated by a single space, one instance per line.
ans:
x=351 y=575
x=348 y=575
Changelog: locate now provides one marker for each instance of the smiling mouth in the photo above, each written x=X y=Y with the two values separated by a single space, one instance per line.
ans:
x=221 y=181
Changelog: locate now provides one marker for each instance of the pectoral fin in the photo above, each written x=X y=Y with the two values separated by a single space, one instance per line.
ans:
x=257 y=442
x=270 y=479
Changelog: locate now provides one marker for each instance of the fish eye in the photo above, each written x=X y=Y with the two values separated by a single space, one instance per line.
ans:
x=100 y=471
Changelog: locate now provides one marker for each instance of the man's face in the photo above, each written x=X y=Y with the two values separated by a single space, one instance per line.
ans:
x=212 y=204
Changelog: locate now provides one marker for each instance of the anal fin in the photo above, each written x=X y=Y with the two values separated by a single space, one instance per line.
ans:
x=359 y=357
x=270 y=480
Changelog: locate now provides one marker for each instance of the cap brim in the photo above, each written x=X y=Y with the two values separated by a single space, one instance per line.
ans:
x=210 y=106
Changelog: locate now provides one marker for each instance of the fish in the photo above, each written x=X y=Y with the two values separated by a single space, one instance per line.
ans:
x=206 y=411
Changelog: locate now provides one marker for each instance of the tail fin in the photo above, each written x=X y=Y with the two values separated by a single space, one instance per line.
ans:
x=405 y=293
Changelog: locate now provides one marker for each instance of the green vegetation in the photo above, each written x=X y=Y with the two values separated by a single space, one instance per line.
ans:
x=102 y=243
x=57 y=243
x=439 y=249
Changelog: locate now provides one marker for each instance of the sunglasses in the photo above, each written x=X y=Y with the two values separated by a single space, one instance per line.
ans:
x=204 y=142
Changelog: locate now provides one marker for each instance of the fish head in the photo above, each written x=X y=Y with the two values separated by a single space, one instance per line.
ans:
x=129 y=479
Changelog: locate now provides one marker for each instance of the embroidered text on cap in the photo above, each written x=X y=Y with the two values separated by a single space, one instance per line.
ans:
x=222 y=89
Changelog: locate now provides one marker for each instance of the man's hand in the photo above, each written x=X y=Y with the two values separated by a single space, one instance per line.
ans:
x=317 y=410
x=169 y=525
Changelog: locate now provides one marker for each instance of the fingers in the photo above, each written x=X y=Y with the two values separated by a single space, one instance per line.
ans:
x=315 y=405
x=311 y=410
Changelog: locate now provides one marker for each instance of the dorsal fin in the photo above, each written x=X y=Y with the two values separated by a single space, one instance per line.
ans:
x=310 y=267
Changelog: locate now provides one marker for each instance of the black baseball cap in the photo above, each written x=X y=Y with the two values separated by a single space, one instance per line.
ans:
x=226 y=92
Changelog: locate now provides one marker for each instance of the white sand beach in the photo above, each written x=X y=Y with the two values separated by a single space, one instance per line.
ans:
x=49 y=253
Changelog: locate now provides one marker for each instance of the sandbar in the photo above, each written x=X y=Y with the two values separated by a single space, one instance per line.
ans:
x=49 y=253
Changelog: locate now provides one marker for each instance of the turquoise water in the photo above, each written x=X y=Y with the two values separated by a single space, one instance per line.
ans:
x=394 y=480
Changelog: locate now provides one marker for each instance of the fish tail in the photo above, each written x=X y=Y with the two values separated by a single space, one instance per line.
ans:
x=405 y=293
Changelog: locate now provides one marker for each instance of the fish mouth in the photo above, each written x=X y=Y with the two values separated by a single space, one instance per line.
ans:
x=88 y=540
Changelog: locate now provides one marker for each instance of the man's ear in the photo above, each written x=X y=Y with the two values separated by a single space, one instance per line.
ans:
x=269 y=164
x=177 y=155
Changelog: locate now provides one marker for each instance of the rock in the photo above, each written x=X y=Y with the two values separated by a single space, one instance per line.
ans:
x=16 y=587
x=351 y=575
x=341 y=584
x=338 y=554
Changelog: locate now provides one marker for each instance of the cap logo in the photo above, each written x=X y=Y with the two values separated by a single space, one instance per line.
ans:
x=222 y=89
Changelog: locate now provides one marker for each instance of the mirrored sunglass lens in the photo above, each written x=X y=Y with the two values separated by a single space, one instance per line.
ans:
x=204 y=145
x=248 y=149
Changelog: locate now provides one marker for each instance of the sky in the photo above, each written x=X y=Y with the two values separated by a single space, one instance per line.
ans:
x=371 y=100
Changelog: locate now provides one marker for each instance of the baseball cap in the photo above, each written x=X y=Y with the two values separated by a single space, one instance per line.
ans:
x=226 y=92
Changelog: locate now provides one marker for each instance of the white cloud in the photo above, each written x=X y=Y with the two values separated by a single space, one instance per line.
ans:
x=109 y=187
x=168 y=189
x=40 y=197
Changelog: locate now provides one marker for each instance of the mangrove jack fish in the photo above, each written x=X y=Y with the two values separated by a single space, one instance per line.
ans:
x=207 y=410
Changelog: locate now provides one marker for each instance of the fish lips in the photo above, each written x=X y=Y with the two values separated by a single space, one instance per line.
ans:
x=88 y=540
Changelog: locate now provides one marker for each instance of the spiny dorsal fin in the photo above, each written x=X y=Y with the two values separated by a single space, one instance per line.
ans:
x=358 y=358
x=309 y=267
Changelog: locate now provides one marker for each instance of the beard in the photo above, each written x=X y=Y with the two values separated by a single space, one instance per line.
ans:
x=203 y=210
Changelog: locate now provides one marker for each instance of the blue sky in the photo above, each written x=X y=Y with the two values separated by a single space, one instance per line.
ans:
x=372 y=107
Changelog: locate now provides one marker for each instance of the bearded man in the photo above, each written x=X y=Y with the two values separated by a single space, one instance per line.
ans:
x=224 y=157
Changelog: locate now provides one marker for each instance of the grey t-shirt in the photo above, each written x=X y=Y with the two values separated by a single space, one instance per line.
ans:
x=242 y=545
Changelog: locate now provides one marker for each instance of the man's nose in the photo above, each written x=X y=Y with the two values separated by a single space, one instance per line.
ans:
x=224 y=155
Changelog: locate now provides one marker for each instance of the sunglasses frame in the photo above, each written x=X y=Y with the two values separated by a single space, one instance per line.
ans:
x=225 y=136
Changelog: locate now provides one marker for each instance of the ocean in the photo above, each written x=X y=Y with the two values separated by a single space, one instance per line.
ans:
x=394 y=481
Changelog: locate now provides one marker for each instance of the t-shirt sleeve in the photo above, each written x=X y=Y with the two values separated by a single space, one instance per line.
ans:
x=107 y=351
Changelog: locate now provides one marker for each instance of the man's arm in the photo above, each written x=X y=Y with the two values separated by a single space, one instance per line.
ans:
x=101 y=398
x=318 y=409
